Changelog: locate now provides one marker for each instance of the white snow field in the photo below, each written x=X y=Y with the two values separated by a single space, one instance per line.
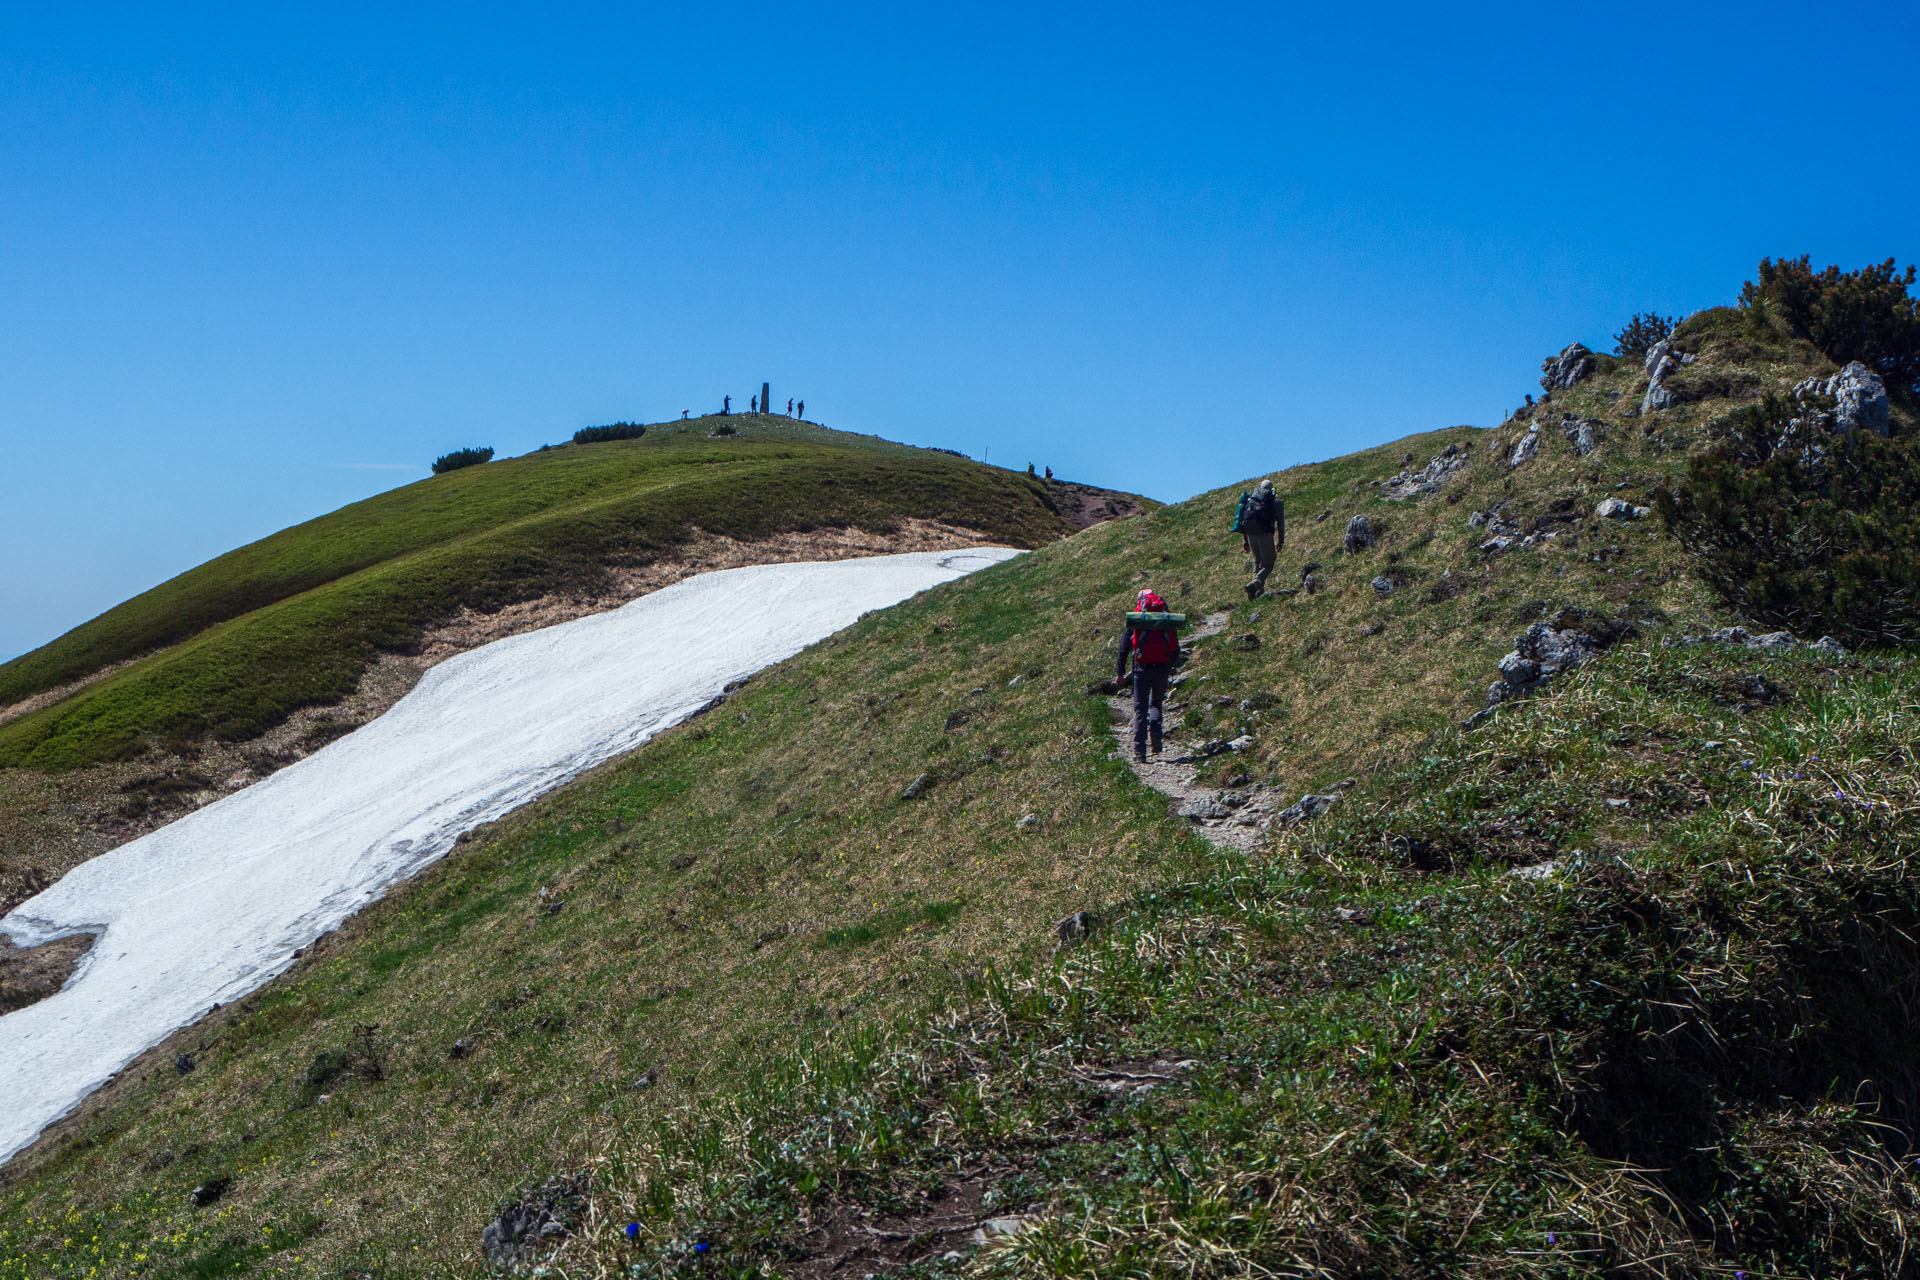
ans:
x=211 y=907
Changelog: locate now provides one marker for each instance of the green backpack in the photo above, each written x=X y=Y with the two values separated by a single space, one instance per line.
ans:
x=1240 y=513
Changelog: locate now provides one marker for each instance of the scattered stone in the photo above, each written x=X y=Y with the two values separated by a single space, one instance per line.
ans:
x=1352 y=915
x=1574 y=638
x=1859 y=396
x=917 y=787
x=522 y=1229
x=1582 y=433
x=1519 y=672
x=1242 y=743
x=1246 y=642
x=1616 y=804
x=995 y=1228
x=460 y=1048
x=209 y=1191
x=1538 y=871
x=1774 y=641
x=1525 y=450
x=1386 y=584
x=1075 y=928
x=1027 y=823
x=1104 y=688
x=1477 y=520
x=1373 y=628
x=1495 y=545
x=183 y=1064
x=1203 y=809
x=1414 y=484
x=1305 y=808
x=1619 y=509
x=1254 y=616
x=1661 y=361
x=1557 y=373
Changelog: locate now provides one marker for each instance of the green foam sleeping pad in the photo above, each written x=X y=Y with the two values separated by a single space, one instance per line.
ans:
x=1157 y=621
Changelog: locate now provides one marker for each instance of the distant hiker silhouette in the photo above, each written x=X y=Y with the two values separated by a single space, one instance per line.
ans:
x=1154 y=649
x=1030 y=470
x=789 y=406
x=726 y=404
x=1261 y=519
x=1049 y=473
x=803 y=410
x=753 y=405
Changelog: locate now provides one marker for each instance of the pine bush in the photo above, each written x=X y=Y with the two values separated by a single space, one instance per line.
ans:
x=600 y=435
x=460 y=458
x=1804 y=529
x=1642 y=332
x=1867 y=315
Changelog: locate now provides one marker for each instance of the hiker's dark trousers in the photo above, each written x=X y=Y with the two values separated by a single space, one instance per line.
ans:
x=1149 y=702
x=1261 y=545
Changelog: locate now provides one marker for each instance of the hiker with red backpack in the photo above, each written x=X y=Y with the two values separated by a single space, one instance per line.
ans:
x=1152 y=640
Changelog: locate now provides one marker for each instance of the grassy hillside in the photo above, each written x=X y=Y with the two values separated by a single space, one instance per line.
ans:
x=738 y=991
x=230 y=648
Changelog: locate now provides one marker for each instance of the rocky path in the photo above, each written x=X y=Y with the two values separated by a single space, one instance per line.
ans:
x=1236 y=817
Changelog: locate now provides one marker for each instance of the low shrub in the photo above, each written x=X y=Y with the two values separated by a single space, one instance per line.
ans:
x=617 y=431
x=460 y=458
x=1799 y=528
x=1866 y=315
x=1642 y=332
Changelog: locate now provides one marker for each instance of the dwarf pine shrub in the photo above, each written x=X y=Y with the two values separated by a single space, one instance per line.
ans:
x=1642 y=332
x=617 y=431
x=1801 y=528
x=460 y=458
x=1866 y=315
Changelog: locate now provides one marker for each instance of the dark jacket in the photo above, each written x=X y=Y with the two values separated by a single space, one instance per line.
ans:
x=1126 y=649
x=1265 y=513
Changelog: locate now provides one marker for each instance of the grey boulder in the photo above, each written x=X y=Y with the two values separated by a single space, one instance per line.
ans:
x=1557 y=373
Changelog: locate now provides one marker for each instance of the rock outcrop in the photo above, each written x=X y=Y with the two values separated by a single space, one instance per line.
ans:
x=1662 y=361
x=1414 y=484
x=1582 y=433
x=1359 y=534
x=1620 y=509
x=1557 y=373
x=1526 y=448
x=1859 y=398
x=1574 y=638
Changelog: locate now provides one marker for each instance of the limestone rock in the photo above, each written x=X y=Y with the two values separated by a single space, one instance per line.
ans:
x=1859 y=398
x=1359 y=534
x=917 y=787
x=1557 y=373
x=1203 y=809
x=1661 y=361
x=1307 y=807
x=1524 y=451
x=1582 y=433
x=1619 y=509
x=1413 y=484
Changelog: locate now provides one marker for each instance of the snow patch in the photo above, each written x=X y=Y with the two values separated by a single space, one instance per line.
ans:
x=209 y=908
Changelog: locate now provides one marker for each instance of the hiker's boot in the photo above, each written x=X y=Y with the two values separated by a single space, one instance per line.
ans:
x=1156 y=744
x=1139 y=755
x=1250 y=590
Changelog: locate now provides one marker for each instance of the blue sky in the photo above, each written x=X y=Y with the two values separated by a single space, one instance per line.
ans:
x=254 y=266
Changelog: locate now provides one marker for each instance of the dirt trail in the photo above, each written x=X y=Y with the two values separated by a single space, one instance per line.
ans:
x=1232 y=817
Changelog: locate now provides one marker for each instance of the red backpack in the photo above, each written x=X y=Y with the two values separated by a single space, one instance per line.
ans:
x=1155 y=648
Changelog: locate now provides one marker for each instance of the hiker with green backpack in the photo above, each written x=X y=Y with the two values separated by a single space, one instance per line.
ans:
x=1152 y=640
x=1261 y=522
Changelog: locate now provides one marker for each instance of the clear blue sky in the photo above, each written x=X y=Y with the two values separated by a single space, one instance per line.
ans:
x=255 y=264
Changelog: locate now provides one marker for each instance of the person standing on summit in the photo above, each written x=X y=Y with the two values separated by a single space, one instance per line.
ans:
x=1154 y=651
x=1263 y=524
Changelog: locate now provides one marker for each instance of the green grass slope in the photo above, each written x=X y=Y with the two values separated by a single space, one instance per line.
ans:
x=230 y=648
x=747 y=997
